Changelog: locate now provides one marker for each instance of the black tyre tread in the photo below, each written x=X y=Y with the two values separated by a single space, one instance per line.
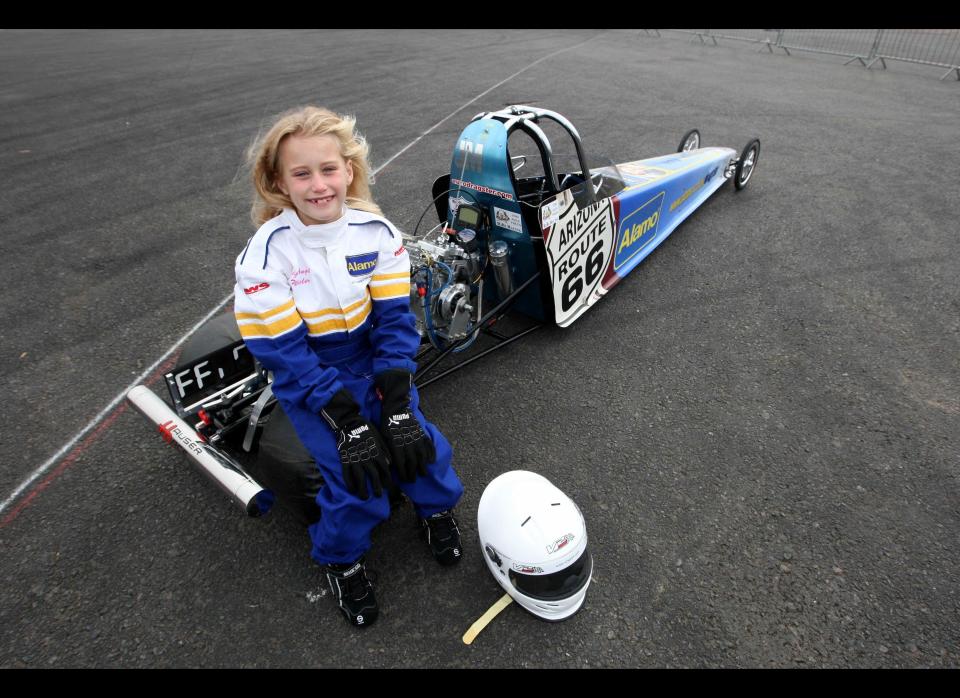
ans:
x=686 y=136
x=743 y=155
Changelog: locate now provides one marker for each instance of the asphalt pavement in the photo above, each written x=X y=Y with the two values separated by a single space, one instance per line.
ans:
x=759 y=424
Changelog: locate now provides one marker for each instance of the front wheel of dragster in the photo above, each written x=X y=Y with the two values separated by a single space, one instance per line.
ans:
x=690 y=141
x=746 y=164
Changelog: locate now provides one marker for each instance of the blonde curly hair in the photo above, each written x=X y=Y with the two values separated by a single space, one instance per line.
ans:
x=264 y=159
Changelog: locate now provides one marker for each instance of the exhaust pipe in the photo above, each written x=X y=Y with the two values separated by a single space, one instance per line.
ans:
x=219 y=467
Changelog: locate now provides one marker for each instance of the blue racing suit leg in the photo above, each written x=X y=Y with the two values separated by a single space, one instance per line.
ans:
x=440 y=489
x=342 y=534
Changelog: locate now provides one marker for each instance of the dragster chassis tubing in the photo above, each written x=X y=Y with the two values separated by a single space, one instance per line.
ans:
x=215 y=461
x=489 y=319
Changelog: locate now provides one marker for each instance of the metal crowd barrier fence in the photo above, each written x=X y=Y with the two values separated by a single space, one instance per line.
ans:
x=933 y=47
x=937 y=47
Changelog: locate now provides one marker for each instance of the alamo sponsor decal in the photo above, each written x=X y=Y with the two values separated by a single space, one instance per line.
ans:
x=579 y=246
x=688 y=193
x=507 y=219
x=400 y=251
x=507 y=196
x=362 y=264
x=638 y=230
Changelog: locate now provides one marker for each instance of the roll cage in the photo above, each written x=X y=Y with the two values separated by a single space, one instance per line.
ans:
x=526 y=119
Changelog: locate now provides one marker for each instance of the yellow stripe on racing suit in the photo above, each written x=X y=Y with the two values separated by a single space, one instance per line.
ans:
x=304 y=293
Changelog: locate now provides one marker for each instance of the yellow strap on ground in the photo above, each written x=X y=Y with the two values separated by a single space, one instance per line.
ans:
x=483 y=620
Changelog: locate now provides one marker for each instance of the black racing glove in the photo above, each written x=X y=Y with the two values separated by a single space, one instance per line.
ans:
x=362 y=452
x=410 y=448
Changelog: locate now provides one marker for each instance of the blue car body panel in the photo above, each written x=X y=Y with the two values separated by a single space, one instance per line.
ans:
x=588 y=246
x=480 y=174
x=618 y=232
x=661 y=192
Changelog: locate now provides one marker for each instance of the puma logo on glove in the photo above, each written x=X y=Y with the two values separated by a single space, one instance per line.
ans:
x=410 y=448
x=355 y=433
x=363 y=454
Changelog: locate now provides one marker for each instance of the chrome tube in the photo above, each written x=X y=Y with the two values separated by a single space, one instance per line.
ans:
x=500 y=259
x=223 y=470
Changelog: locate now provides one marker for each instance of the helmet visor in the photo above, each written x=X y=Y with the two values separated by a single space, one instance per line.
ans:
x=558 y=585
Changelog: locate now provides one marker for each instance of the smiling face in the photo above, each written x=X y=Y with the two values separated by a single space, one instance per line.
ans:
x=315 y=177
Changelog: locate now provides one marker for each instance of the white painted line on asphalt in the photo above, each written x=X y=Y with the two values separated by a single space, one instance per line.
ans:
x=539 y=60
x=105 y=412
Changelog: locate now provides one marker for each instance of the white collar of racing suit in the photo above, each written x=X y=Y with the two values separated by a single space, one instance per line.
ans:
x=321 y=235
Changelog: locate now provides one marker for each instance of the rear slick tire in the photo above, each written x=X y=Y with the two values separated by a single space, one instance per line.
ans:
x=690 y=141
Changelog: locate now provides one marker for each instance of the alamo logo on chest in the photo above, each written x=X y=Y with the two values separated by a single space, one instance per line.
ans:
x=362 y=264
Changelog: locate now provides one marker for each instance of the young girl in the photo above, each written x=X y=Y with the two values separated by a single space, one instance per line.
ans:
x=323 y=301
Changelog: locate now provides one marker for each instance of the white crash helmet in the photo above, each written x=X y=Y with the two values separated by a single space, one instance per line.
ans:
x=534 y=541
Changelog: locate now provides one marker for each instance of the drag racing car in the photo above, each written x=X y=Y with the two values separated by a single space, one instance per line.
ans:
x=514 y=234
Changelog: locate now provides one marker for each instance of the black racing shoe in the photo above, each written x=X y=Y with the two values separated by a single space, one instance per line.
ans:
x=443 y=535
x=354 y=592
